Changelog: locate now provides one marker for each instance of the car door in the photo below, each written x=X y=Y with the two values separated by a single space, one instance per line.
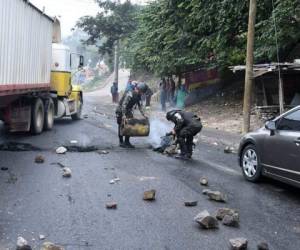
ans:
x=288 y=134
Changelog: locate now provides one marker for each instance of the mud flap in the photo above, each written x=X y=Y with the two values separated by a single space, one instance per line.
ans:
x=18 y=118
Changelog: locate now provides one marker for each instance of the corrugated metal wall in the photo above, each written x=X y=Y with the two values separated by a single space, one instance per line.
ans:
x=25 y=45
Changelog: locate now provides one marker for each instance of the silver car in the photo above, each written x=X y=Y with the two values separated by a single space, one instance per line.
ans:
x=274 y=150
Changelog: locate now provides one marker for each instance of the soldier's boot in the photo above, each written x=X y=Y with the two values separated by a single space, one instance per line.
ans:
x=127 y=143
x=121 y=142
x=189 y=145
x=189 y=150
x=183 y=152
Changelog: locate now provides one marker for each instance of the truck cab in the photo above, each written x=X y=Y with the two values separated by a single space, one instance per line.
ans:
x=69 y=97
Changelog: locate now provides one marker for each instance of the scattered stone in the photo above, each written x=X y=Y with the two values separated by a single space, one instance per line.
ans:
x=22 y=244
x=215 y=143
x=85 y=116
x=112 y=181
x=191 y=203
x=117 y=179
x=73 y=142
x=205 y=191
x=4 y=168
x=239 y=244
x=263 y=246
x=224 y=211
x=103 y=152
x=111 y=205
x=42 y=237
x=39 y=159
x=229 y=150
x=231 y=220
x=206 y=221
x=216 y=196
x=67 y=173
x=204 y=181
x=51 y=246
x=149 y=195
x=61 y=150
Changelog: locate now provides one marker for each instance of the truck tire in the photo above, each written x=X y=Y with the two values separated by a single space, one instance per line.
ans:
x=37 y=116
x=77 y=116
x=49 y=115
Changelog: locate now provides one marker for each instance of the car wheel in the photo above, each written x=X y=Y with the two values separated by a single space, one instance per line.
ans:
x=251 y=164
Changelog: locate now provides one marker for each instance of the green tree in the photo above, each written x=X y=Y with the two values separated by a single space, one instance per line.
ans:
x=114 y=22
x=175 y=35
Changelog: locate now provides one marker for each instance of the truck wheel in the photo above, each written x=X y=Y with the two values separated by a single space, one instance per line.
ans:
x=49 y=115
x=77 y=116
x=37 y=116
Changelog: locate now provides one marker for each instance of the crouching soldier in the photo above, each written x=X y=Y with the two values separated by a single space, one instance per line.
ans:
x=187 y=125
x=125 y=110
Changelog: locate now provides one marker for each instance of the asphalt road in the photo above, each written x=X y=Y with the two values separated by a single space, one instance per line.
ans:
x=35 y=199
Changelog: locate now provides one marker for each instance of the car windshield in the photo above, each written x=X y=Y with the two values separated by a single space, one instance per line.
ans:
x=290 y=122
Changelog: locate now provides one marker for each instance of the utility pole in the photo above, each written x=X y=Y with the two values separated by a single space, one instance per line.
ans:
x=116 y=67
x=281 y=93
x=249 y=66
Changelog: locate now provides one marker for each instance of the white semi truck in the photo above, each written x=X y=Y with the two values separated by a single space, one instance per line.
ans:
x=35 y=70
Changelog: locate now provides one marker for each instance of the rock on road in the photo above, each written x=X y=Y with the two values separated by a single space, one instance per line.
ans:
x=36 y=200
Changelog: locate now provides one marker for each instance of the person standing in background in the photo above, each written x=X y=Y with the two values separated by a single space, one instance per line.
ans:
x=129 y=86
x=148 y=95
x=163 y=93
x=114 y=92
x=180 y=96
x=172 y=91
x=168 y=85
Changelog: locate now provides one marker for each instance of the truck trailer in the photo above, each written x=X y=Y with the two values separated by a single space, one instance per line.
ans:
x=35 y=70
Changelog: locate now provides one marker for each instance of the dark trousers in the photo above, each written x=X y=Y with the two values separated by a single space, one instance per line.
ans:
x=172 y=94
x=148 y=101
x=163 y=99
x=122 y=138
x=115 y=98
x=185 y=138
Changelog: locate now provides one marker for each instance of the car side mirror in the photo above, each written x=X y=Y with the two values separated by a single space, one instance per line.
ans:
x=271 y=125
